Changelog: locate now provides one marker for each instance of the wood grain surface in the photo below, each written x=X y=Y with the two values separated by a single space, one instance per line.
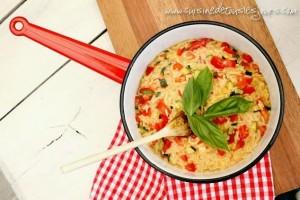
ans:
x=132 y=22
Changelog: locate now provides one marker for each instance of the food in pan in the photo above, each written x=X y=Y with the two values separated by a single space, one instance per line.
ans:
x=223 y=94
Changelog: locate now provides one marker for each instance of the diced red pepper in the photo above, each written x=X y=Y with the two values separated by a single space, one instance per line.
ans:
x=262 y=129
x=146 y=112
x=199 y=43
x=233 y=118
x=180 y=51
x=250 y=66
x=177 y=66
x=163 y=122
x=166 y=144
x=149 y=70
x=217 y=62
x=254 y=67
x=247 y=58
x=229 y=63
x=221 y=63
x=248 y=89
x=243 y=132
x=227 y=48
x=178 y=140
x=191 y=167
x=246 y=65
x=220 y=120
x=184 y=157
x=231 y=138
x=142 y=99
x=221 y=152
x=162 y=107
x=137 y=118
x=240 y=144
x=193 y=136
x=243 y=81
x=225 y=44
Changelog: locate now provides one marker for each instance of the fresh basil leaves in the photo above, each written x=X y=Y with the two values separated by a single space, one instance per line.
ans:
x=228 y=106
x=195 y=95
x=191 y=97
x=208 y=132
x=204 y=79
x=197 y=91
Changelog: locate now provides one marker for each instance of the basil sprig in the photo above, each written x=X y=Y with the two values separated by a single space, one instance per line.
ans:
x=228 y=106
x=191 y=97
x=207 y=131
x=197 y=91
x=195 y=95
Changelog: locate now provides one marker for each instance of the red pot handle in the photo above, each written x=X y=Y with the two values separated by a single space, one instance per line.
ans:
x=99 y=60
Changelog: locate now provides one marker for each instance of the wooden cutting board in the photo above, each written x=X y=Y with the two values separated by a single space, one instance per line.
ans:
x=131 y=22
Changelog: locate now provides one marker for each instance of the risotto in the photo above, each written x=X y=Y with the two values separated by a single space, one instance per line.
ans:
x=235 y=73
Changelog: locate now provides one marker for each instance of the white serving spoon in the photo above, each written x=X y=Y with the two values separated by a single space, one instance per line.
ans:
x=176 y=127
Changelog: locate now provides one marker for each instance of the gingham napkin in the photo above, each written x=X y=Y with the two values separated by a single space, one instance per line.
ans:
x=128 y=176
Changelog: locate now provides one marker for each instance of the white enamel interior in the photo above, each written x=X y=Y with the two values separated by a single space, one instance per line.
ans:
x=197 y=31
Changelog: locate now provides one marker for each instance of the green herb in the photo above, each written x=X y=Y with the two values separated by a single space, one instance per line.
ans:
x=188 y=67
x=194 y=148
x=196 y=91
x=162 y=71
x=248 y=73
x=204 y=80
x=148 y=92
x=237 y=56
x=163 y=83
x=195 y=95
x=228 y=106
x=208 y=132
x=145 y=129
x=191 y=97
x=209 y=55
x=157 y=94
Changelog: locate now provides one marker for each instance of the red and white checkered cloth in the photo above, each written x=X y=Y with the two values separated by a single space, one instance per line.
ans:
x=128 y=176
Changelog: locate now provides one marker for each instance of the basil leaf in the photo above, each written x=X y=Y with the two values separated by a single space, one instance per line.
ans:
x=204 y=80
x=162 y=71
x=163 y=83
x=191 y=97
x=228 y=106
x=148 y=92
x=208 y=132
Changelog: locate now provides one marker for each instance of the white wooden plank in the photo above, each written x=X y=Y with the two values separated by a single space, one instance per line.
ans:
x=74 y=99
x=285 y=30
x=7 y=5
x=25 y=64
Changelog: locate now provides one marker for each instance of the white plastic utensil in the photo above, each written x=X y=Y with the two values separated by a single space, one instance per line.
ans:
x=176 y=127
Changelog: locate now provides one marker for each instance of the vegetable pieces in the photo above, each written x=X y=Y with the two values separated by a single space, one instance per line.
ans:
x=195 y=95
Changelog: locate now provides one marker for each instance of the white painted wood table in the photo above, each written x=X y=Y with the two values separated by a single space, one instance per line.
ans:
x=53 y=111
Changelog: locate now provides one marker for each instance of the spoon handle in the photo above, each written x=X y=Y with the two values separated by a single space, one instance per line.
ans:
x=115 y=150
